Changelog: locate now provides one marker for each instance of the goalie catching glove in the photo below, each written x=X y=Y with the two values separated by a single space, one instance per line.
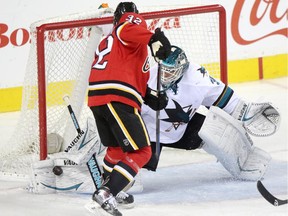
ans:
x=159 y=45
x=155 y=101
x=259 y=119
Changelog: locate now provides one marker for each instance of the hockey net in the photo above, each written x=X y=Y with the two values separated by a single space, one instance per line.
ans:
x=61 y=54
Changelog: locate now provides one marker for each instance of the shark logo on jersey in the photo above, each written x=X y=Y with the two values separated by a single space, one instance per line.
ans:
x=202 y=71
x=179 y=115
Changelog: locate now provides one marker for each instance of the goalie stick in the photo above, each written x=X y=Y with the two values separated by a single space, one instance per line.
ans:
x=268 y=196
x=157 y=115
x=92 y=163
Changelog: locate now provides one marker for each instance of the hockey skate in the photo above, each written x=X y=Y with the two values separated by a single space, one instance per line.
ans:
x=107 y=202
x=125 y=200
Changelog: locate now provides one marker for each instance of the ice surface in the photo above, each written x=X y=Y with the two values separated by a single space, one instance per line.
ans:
x=187 y=182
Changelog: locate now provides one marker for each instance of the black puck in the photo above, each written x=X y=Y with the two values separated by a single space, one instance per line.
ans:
x=57 y=170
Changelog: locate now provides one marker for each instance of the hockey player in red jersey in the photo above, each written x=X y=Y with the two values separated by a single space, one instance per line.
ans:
x=117 y=89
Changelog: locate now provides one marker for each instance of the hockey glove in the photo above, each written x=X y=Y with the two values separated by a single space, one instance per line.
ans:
x=159 y=45
x=154 y=101
x=259 y=118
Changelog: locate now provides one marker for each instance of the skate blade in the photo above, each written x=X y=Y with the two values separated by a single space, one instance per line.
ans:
x=96 y=209
x=126 y=206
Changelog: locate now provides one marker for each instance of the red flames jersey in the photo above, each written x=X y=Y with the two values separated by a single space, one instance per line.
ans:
x=121 y=69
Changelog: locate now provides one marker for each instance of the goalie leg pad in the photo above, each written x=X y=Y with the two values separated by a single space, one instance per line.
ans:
x=75 y=178
x=41 y=176
x=225 y=138
x=256 y=165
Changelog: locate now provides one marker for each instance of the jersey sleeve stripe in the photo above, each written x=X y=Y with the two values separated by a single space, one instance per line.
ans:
x=224 y=98
x=118 y=32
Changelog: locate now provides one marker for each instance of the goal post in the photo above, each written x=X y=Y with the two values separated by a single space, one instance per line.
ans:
x=79 y=28
x=59 y=63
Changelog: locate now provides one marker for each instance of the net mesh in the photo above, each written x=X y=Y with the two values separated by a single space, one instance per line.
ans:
x=68 y=56
x=197 y=34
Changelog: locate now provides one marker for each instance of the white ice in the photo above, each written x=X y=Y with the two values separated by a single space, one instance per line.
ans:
x=186 y=183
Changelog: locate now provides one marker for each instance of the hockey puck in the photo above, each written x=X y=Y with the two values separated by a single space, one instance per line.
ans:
x=57 y=170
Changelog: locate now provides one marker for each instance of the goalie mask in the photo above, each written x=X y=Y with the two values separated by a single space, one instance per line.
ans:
x=123 y=7
x=173 y=68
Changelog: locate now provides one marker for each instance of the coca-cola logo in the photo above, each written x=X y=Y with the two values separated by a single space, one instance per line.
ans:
x=262 y=12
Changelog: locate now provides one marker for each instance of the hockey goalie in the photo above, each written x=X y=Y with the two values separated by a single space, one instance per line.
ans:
x=223 y=131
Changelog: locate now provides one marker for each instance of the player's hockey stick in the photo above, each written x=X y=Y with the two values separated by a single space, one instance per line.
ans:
x=92 y=164
x=268 y=196
x=157 y=114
